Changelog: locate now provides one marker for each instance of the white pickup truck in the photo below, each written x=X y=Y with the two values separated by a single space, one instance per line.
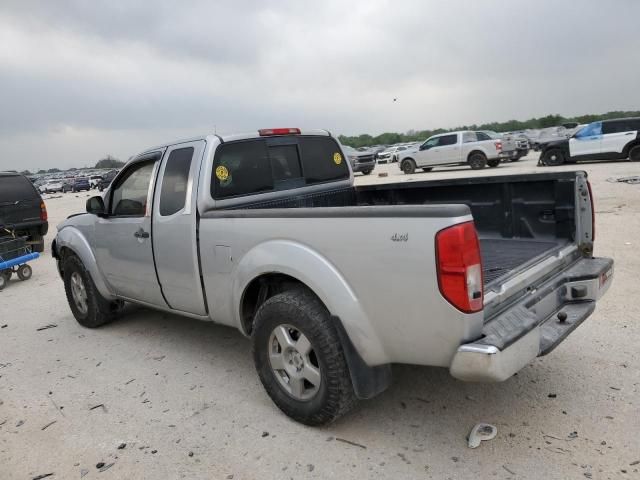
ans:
x=266 y=233
x=475 y=149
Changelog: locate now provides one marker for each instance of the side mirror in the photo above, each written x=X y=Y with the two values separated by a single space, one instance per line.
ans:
x=423 y=147
x=95 y=206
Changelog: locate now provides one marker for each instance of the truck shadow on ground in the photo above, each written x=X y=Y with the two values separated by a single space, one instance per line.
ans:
x=421 y=400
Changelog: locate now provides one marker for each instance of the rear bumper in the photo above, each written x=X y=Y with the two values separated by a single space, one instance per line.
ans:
x=535 y=325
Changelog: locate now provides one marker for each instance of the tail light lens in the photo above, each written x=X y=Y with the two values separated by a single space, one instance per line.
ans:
x=498 y=146
x=460 y=267
x=43 y=211
x=593 y=213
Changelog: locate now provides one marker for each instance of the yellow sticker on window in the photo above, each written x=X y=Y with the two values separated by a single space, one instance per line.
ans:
x=222 y=173
x=337 y=158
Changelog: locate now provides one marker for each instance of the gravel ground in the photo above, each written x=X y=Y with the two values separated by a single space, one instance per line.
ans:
x=181 y=398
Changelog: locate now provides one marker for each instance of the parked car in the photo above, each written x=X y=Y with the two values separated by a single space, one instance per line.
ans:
x=455 y=148
x=52 y=186
x=76 y=184
x=107 y=178
x=22 y=210
x=94 y=180
x=514 y=146
x=616 y=139
x=391 y=154
x=360 y=161
x=266 y=233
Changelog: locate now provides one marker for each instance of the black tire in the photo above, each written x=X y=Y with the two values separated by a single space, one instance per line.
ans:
x=408 y=166
x=477 y=161
x=7 y=274
x=99 y=310
x=634 y=154
x=366 y=172
x=3 y=281
x=428 y=169
x=553 y=157
x=493 y=163
x=302 y=310
x=24 y=272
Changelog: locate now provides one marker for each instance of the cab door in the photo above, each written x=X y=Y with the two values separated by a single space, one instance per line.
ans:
x=616 y=134
x=586 y=141
x=175 y=241
x=123 y=237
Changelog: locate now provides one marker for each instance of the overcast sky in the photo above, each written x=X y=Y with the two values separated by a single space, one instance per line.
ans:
x=82 y=79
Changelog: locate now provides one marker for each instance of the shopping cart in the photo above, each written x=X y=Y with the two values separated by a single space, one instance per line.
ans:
x=14 y=255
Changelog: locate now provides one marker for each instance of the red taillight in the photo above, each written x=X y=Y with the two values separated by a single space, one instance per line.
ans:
x=267 y=132
x=498 y=146
x=593 y=213
x=460 y=267
x=43 y=211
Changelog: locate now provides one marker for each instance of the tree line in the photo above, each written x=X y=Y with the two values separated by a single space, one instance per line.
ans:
x=106 y=162
x=390 y=138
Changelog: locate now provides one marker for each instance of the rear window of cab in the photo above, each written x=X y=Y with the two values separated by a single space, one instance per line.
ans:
x=262 y=165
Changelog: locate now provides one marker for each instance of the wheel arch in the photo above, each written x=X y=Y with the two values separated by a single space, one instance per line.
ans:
x=627 y=148
x=70 y=241
x=473 y=152
x=276 y=264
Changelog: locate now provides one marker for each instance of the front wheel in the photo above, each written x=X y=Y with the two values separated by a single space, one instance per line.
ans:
x=87 y=305
x=408 y=166
x=634 y=154
x=477 y=161
x=493 y=163
x=366 y=172
x=299 y=358
x=553 y=157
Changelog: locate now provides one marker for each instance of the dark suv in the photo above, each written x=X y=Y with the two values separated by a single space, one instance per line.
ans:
x=76 y=184
x=22 y=209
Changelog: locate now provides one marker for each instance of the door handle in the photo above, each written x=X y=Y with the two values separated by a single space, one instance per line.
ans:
x=141 y=234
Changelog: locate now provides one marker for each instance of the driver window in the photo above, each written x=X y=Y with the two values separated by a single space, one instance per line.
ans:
x=590 y=130
x=129 y=198
x=432 y=142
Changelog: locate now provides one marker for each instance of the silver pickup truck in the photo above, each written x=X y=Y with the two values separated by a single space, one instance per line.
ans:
x=333 y=283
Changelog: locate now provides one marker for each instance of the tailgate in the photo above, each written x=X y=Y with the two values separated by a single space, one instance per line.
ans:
x=533 y=326
x=20 y=212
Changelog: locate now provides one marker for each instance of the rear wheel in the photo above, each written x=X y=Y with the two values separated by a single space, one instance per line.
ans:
x=634 y=154
x=477 y=161
x=87 y=305
x=553 y=157
x=299 y=358
x=493 y=163
x=408 y=166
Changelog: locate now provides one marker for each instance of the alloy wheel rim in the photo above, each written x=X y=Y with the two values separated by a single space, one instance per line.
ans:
x=294 y=362
x=79 y=293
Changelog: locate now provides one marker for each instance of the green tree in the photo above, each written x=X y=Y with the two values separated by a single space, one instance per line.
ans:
x=109 y=162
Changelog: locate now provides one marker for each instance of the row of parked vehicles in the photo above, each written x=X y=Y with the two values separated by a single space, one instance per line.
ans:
x=601 y=140
x=78 y=184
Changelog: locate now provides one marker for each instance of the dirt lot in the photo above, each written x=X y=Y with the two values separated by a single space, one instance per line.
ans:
x=184 y=398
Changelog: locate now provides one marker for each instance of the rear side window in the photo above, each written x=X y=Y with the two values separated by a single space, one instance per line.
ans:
x=482 y=136
x=264 y=165
x=174 y=182
x=472 y=137
x=16 y=187
x=448 y=140
x=322 y=160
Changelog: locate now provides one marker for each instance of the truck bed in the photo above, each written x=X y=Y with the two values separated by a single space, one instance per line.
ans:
x=501 y=256
x=520 y=218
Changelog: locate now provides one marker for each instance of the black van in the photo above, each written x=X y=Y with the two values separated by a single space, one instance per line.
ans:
x=22 y=210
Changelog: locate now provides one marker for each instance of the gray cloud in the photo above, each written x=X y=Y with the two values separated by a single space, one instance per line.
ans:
x=80 y=79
